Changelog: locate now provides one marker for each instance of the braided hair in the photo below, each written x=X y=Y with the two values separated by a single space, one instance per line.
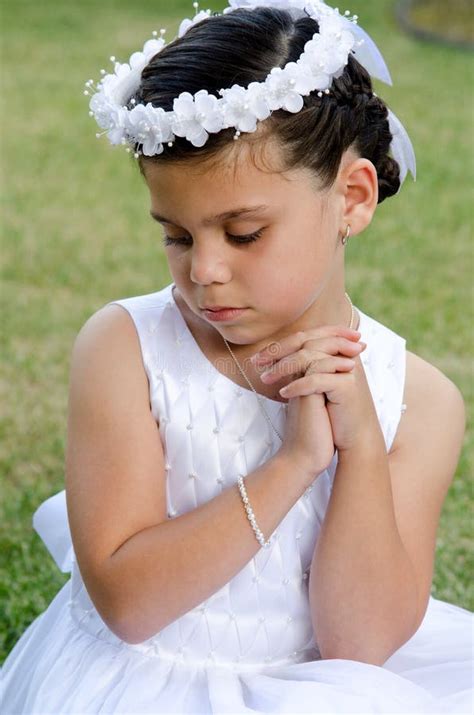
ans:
x=242 y=47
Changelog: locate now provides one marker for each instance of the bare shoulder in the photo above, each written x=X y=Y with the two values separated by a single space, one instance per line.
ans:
x=108 y=343
x=111 y=323
x=434 y=405
x=422 y=375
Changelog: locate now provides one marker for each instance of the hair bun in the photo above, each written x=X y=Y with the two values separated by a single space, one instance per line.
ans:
x=388 y=173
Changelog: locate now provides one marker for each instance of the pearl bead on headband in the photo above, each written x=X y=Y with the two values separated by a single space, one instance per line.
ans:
x=196 y=116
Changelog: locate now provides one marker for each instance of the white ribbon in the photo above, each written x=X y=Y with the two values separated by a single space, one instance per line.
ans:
x=51 y=523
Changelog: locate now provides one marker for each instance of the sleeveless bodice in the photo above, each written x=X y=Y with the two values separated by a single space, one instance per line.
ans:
x=212 y=430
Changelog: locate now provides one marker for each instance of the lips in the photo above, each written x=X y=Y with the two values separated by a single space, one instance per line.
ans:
x=223 y=315
x=216 y=308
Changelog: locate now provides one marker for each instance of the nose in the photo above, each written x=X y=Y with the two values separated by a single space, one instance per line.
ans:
x=207 y=266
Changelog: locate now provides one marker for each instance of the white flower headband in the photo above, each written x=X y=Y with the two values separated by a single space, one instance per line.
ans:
x=196 y=116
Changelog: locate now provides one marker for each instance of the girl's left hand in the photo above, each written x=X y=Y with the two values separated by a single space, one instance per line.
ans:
x=349 y=403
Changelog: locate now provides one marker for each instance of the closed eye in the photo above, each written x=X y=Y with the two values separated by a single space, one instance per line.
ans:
x=249 y=238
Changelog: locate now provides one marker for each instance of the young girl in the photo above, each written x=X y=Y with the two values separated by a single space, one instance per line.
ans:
x=255 y=468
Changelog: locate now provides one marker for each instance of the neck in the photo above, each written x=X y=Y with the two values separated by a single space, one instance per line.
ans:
x=334 y=312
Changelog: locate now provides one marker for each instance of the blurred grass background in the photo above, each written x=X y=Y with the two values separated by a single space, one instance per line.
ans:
x=450 y=20
x=77 y=235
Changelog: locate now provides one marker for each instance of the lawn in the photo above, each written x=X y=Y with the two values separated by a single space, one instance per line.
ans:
x=77 y=235
x=453 y=20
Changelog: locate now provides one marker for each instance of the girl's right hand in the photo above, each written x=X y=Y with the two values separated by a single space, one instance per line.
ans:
x=308 y=441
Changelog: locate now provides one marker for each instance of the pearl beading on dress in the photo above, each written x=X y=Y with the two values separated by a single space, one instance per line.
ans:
x=88 y=619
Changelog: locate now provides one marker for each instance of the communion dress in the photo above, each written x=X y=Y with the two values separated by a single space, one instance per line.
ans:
x=249 y=647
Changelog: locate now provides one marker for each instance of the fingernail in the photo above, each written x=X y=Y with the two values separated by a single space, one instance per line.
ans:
x=265 y=374
x=283 y=391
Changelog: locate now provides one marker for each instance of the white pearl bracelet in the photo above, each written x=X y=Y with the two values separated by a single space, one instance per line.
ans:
x=251 y=515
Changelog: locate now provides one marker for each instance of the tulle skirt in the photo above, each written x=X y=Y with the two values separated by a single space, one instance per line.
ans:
x=57 y=668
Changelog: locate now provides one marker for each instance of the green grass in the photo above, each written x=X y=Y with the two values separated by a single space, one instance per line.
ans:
x=77 y=235
x=453 y=20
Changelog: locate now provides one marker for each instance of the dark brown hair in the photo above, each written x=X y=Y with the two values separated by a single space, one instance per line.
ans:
x=241 y=47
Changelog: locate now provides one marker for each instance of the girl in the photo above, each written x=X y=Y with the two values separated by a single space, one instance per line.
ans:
x=255 y=468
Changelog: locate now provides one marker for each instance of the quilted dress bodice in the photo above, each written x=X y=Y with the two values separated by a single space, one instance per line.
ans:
x=211 y=431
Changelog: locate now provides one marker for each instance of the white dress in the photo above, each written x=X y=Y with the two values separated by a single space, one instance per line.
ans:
x=249 y=648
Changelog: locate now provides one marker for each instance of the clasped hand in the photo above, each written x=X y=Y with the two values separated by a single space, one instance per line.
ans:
x=330 y=405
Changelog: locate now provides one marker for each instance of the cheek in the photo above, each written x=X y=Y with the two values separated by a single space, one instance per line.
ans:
x=177 y=261
x=298 y=273
x=295 y=263
x=179 y=273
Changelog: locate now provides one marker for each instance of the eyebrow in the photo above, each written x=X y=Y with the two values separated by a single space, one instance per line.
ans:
x=247 y=211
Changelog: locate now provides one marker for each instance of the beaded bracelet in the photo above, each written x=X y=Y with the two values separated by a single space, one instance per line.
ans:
x=251 y=515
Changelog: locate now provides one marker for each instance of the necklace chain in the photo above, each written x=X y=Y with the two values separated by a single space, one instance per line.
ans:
x=258 y=396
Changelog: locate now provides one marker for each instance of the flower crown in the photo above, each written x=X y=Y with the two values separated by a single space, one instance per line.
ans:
x=196 y=116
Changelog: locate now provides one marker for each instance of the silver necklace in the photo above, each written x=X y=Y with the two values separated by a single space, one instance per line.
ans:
x=260 y=397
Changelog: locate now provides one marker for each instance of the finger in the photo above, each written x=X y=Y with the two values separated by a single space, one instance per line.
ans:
x=311 y=384
x=298 y=362
x=292 y=343
x=291 y=366
x=336 y=345
x=331 y=365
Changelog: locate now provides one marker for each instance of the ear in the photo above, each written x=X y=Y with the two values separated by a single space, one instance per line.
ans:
x=360 y=192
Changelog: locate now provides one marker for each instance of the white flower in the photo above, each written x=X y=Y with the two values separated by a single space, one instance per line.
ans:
x=121 y=70
x=152 y=47
x=319 y=78
x=118 y=131
x=104 y=110
x=237 y=109
x=110 y=117
x=258 y=100
x=195 y=116
x=107 y=85
x=117 y=88
x=137 y=60
x=149 y=126
x=127 y=86
x=184 y=26
x=187 y=23
x=285 y=87
x=327 y=51
x=208 y=111
x=234 y=4
x=279 y=4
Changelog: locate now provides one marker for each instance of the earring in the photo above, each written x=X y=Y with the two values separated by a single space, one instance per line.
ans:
x=346 y=237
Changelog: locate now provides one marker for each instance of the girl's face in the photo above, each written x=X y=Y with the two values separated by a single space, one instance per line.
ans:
x=240 y=236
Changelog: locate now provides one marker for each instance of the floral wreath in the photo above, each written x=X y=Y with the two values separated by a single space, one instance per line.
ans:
x=194 y=117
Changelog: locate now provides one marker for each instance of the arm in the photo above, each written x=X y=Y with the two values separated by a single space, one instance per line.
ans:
x=165 y=570
x=362 y=584
x=372 y=568
x=142 y=570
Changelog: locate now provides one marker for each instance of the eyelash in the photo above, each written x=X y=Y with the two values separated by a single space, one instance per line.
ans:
x=250 y=238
